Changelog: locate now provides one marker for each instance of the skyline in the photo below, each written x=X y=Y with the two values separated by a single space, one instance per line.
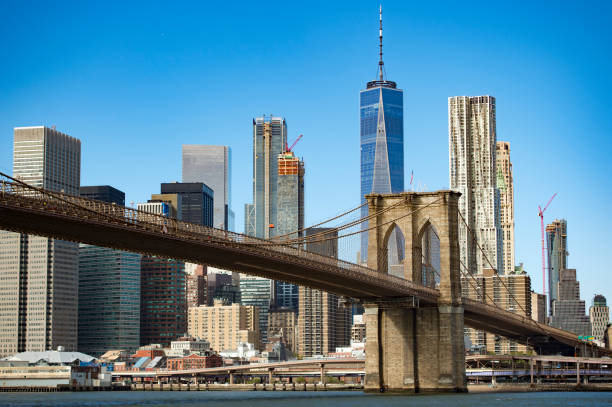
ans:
x=153 y=86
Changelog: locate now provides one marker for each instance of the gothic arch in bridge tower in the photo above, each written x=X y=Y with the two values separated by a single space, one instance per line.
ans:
x=393 y=251
x=427 y=256
x=415 y=346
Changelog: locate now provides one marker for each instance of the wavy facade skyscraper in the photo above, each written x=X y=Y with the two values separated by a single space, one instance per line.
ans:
x=381 y=112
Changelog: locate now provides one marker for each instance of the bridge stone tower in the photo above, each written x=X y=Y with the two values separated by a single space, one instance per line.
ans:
x=411 y=345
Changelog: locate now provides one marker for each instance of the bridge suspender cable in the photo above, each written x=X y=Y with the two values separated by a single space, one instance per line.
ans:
x=321 y=223
x=312 y=238
x=497 y=275
x=382 y=224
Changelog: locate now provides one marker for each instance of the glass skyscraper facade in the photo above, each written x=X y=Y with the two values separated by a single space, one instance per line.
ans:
x=269 y=140
x=381 y=111
x=109 y=300
x=109 y=290
x=197 y=201
x=212 y=166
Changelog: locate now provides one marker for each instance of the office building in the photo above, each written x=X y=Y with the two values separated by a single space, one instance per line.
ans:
x=381 y=111
x=163 y=300
x=269 y=140
x=173 y=200
x=38 y=301
x=323 y=323
x=278 y=179
x=568 y=310
x=104 y=193
x=257 y=292
x=599 y=313
x=556 y=244
x=196 y=203
x=109 y=290
x=472 y=157
x=212 y=166
x=225 y=326
x=505 y=184
x=156 y=208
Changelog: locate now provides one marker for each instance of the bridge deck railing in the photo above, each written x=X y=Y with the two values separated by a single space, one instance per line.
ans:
x=111 y=213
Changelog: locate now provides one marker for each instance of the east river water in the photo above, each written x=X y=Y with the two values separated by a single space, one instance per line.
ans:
x=301 y=399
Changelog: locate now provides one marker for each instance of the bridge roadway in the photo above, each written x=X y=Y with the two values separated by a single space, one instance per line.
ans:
x=339 y=366
x=26 y=209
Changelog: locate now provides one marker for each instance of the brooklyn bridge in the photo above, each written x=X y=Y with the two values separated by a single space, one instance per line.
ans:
x=414 y=325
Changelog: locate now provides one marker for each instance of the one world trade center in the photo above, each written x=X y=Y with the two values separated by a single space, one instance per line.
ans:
x=381 y=109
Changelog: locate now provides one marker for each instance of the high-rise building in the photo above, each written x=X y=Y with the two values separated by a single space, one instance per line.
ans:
x=163 y=300
x=39 y=276
x=197 y=293
x=173 y=200
x=381 y=111
x=538 y=307
x=599 y=314
x=257 y=292
x=272 y=170
x=556 y=243
x=290 y=217
x=290 y=198
x=568 y=310
x=225 y=326
x=323 y=323
x=157 y=208
x=269 y=140
x=472 y=140
x=197 y=201
x=511 y=292
x=212 y=166
x=282 y=326
x=109 y=290
x=505 y=184
x=104 y=193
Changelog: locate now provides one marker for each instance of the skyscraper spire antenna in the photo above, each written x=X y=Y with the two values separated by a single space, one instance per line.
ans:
x=381 y=64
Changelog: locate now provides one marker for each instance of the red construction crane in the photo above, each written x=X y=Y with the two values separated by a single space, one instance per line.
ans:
x=288 y=149
x=541 y=215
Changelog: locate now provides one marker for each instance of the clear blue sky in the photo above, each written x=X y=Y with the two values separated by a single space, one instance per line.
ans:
x=133 y=81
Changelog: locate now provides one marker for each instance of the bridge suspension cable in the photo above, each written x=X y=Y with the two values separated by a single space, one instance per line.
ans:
x=496 y=275
x=360 y=221
x=321 y=223
x=313 y=238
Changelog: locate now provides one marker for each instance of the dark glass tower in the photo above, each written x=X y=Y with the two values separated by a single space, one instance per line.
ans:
x=381 y=111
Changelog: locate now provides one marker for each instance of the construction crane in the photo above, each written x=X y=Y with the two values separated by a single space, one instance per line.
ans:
x=288 y=149
x=541 y=215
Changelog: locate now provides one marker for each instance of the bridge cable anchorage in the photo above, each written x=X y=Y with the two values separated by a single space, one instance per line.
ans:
x=495 y=274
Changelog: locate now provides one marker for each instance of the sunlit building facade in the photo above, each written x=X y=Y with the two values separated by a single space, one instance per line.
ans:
x=39 y=276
